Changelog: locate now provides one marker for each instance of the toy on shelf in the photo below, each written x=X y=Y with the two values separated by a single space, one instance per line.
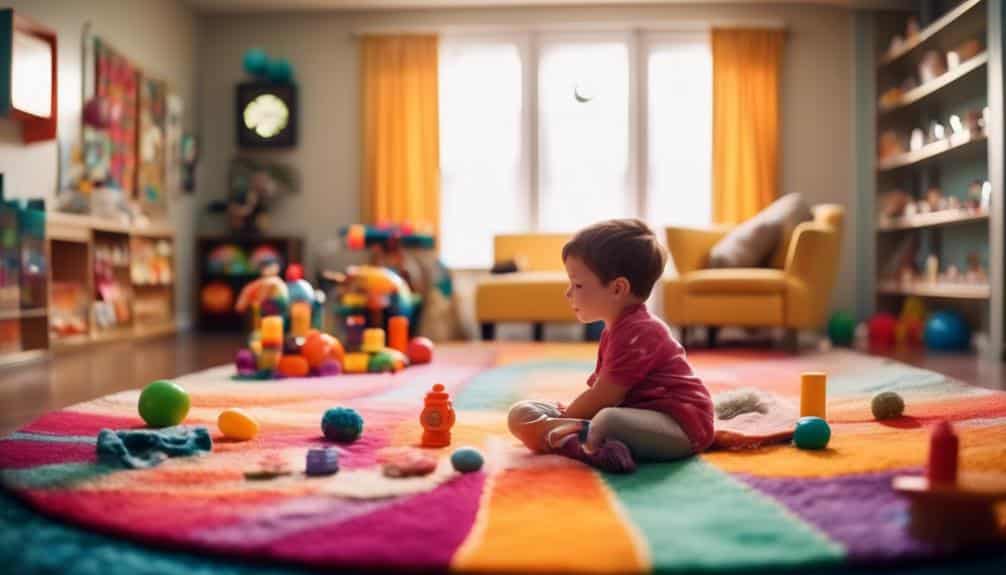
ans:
x=216 y=298
x=911 y=321
x=437 y=418
x=947 y=506
x=151 y=262
x=881 y=331
x=228 y=259
x=946 y=331
x=841 y=328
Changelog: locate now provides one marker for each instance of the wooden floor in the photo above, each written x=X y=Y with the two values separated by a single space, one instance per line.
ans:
x=28 y=390
x=31 y=389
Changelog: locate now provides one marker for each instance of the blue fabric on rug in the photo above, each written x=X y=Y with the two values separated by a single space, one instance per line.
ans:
x=138 y=449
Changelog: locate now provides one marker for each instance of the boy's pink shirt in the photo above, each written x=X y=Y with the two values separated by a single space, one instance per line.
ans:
x=638 y=352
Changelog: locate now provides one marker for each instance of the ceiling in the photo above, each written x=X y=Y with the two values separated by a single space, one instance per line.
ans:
x=251 y=6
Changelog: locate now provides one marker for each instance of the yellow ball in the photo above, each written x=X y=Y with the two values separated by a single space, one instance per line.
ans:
x=235 y=423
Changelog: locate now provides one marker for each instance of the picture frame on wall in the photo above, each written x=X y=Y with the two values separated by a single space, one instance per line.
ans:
x=152 y=117
x=266 y=115
x=28 y=76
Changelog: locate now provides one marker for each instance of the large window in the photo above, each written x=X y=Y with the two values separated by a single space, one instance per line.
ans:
x=483 y=191
x=679 y=156
x=550 y=132
x=583 y=133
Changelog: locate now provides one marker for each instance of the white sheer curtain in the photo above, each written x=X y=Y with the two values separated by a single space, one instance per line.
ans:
x=680 y=130
x=483 y=190
x=583 y=129
x=585 y=135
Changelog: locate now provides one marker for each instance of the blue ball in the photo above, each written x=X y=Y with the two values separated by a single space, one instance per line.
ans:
x=256 y=62
x=946 y=331
x=279 y=71
x=342 y=424
x=811 y=433
x=467 y=459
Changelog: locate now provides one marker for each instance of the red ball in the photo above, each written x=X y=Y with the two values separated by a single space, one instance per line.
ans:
x=420 y=350
x=882 y=329
x=316 y=349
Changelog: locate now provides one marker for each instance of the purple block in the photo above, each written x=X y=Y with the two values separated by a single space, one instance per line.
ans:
x=322 y=461
x=245 y=362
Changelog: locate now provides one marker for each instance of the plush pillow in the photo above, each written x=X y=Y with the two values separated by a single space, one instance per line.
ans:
x=752 y=243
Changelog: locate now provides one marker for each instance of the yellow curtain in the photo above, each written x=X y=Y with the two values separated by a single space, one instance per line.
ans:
x=746 y=71
x=400 y=130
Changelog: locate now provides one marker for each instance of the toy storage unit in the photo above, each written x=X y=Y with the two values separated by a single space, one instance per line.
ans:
x=225 y=264
x=938 y=169
x=108 y=281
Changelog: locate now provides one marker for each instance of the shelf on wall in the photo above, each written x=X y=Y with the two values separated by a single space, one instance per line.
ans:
x=16 y=357
x=930 y=151
x=23 y=313
x=938 y=218
x=929 y=32
x=933 y=86
x=949 y=291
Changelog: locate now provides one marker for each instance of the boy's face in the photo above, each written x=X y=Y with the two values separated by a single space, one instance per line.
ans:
x=590 y=299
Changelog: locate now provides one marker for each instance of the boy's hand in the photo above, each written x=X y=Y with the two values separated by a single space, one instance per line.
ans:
x=602 y=394
x=561 y=407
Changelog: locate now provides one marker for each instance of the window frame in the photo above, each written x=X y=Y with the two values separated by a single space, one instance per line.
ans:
x=530 y=43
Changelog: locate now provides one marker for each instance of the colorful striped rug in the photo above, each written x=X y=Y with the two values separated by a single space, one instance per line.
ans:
x=772 y=508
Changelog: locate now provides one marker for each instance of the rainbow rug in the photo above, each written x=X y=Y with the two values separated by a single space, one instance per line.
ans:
x=773 y=508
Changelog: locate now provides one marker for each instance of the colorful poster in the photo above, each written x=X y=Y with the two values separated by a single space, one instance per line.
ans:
x=150 y=180
x=173 y=145
x=116 y=82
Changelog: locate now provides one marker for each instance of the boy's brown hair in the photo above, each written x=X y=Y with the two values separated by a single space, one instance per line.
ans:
x=626 y=248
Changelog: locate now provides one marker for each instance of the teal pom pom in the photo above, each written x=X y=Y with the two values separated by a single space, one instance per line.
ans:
x=811 y=433
x=467 y=459
x=342 y=424
x=256 y=62
x=279 y=71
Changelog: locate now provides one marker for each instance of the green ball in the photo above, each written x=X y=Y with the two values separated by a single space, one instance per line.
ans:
x=163 y=404
x=381 y=362
x=887 y=405
x=811 y=433
x=841 y=328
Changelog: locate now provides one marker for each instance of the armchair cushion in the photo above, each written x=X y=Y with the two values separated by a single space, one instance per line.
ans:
x=752 y=243
x=736 y=281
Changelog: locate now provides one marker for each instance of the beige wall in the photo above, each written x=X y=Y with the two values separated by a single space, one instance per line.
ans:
x=160 y=37
x=816 y=95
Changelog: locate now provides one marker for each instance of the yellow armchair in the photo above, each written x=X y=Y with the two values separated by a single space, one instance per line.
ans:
x=535 y=295
x=793 y=293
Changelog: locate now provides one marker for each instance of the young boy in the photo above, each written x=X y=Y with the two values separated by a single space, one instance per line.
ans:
x=642 y=401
